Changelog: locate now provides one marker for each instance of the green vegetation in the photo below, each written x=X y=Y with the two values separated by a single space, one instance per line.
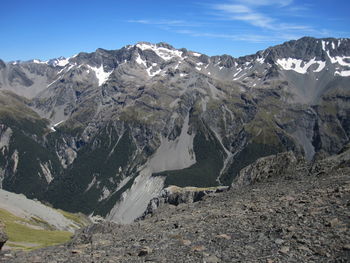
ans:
x=80 y=219
x=102 y=162
x=29 y=179
x=248 y=155
x=105 y=206
x=28 y=129
x=21 y=232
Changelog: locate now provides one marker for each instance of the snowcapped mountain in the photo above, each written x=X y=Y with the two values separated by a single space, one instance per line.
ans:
x=105 y=132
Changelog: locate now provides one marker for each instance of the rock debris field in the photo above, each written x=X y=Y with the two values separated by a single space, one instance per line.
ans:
x=302 y=215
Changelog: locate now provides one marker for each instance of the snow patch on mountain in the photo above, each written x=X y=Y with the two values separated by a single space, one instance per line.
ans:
x=299 y=65
x=239 y=70
x=37 y=61
x=345 y=73
x=321 y=66
x=340 y=60
x=101 y=75
x=140 y=61
x=260 y=60
x=52 y=128
x=60 y=62
x=164 y=53
x=151 y=72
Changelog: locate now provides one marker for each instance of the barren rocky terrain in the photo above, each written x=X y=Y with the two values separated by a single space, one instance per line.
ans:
x=299 y=215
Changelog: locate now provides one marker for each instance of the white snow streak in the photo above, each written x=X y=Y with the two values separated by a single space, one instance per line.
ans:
x=55 y=125
x=299 y=65
x=344 y=73
x=341 y=61
x=140 y=61
x=152 y=72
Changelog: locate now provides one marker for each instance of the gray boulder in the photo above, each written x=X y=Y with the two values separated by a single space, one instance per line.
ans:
x=3 y=235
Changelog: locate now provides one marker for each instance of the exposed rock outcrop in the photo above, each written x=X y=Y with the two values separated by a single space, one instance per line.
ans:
x=299 y=218
x=271 y=166
x=174 y=195
x=3 y=235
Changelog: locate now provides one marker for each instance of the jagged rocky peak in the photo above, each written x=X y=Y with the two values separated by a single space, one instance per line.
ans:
x=60 y=62
x=162 y=50
x=159 y=116
x=307 y=48
x=145 y=44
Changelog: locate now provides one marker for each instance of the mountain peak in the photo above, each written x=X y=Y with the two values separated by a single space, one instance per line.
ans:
x=159 y=45
x=159 y=116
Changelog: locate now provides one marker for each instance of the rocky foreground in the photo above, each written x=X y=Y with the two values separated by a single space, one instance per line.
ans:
x=285 y=211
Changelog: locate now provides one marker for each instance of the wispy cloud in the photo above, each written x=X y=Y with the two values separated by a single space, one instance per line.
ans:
x=259 y=21
x=280 y=3
x=249 y=37
x=165 y=22
x=248 y=11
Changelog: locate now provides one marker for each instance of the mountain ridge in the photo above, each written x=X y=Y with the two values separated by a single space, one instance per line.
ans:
x=108 y=117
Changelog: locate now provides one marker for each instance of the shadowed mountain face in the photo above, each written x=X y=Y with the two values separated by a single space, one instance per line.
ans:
x=105 y=132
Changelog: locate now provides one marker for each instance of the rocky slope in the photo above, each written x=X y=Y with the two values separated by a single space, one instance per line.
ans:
x=104 y=132
x=300 y=215
x=30 y=224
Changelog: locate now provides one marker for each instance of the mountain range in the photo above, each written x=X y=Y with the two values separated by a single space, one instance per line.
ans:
x=103 y=133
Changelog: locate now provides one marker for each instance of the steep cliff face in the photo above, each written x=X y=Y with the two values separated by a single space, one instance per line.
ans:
x=105 y=132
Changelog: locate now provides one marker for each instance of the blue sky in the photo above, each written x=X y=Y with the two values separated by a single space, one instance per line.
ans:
x=46 y=29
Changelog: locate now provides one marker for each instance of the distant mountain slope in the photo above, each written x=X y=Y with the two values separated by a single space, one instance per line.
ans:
x=106 y=131
x=30 y=224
